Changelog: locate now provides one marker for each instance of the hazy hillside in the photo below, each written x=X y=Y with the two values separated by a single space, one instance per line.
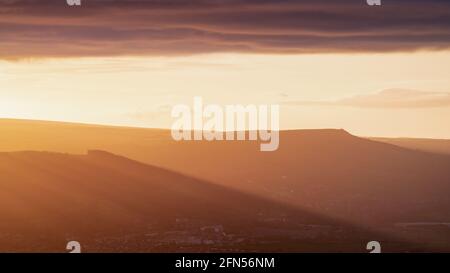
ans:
x=111 y=203
x=322 y=170
x=329 y=172
x=441 y=146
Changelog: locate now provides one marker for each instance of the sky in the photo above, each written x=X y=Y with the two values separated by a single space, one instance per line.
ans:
x=374 y=71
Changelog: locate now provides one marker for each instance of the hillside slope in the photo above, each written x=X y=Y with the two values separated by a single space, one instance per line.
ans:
x=362 y=182
x=439 y=146
x=321 y=170
x=110 y=203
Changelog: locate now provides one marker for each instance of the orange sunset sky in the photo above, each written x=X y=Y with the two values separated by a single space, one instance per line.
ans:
x=374 y=71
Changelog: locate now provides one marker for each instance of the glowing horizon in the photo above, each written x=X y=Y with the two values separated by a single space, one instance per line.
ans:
x=374 y=71
x=315 y=91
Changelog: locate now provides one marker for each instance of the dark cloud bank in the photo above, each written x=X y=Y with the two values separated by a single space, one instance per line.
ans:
x=49 y=28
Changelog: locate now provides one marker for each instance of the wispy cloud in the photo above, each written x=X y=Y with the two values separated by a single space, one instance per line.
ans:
x=161 y=110
x=389 y=98
x=49 y=28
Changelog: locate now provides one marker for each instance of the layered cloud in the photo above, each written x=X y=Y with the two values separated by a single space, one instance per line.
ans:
x=49 y=28
x=389 y=98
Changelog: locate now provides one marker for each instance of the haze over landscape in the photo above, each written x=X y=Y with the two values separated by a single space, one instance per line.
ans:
x=328 y=189
x=86 y=151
